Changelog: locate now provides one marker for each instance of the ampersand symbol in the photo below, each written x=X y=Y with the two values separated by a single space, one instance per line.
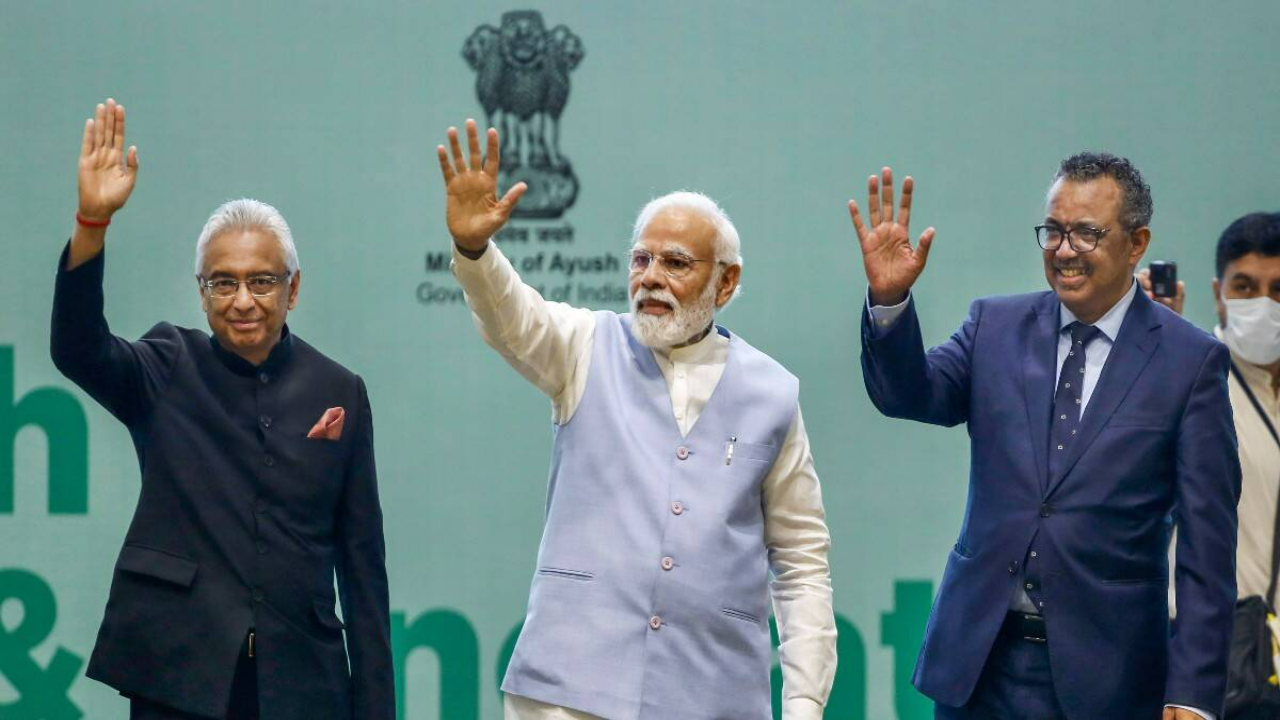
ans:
x=42 y=692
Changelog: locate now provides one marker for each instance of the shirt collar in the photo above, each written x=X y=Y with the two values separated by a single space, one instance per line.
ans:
x=276 y=359
x=698 y=353
x=1109 y=323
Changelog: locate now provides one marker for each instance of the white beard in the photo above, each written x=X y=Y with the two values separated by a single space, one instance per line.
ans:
x=663 y=332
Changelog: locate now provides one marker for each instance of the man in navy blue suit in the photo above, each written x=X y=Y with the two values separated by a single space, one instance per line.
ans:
x=1095 y=416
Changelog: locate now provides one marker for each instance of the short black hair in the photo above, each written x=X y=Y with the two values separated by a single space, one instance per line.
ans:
x=1254 y=233
x=1136 y=207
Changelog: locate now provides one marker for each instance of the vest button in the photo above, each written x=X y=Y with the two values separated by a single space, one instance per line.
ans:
x=677 y=507
x=668 y=563
x=682 y=452
x=655 y=622
x=1046 y=510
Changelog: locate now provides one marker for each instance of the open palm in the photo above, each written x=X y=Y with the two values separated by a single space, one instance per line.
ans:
x=472 y=209
x=107 y=175
x=891 y=263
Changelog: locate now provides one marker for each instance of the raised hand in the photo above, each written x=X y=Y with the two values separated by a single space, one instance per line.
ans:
x=107 y=175
x=473 y=210
x=892 y=265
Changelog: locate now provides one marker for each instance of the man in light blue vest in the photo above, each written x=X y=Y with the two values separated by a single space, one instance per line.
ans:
x=680 y=478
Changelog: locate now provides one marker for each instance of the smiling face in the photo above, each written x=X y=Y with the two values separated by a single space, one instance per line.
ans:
x=672 y=310
x=1090 y=283
x=246 y=325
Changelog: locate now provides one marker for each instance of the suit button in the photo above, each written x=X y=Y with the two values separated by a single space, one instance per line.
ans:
x=269 y=461
x=682 y=452
x=258 y=596
x=264 y=378
x=668 y=563
x=1046 y=510
x=262 y=548
x=677 y=507
x=1013 y=568
x=265 y=420
x=655 y=622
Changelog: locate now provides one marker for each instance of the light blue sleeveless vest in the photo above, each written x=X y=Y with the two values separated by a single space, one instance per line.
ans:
x=650 y=601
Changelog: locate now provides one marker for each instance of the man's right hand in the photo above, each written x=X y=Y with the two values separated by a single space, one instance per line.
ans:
x=892 y=265
x=473 y=210
x=107 y=177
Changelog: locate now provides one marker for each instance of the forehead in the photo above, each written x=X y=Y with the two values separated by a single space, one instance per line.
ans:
x=1263 y=268
x=243 y=252
x=680 y=226
x=1071 y=201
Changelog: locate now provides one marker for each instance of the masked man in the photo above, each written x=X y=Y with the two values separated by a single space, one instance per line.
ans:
x=258 y=479
x=1094 y=415
x=681 y=475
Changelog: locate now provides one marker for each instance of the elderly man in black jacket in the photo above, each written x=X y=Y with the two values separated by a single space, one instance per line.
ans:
x=258 y=479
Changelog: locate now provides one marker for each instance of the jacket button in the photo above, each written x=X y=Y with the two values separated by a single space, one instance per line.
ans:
x=677 y=507
x=269 y=461
x=258 y=596
x=655 y=622
x=262 y=548
x=265 y=420
x=682 y=452
x=1013 y=568
x=264 y=378
x=668 y=563
x=1046 y=510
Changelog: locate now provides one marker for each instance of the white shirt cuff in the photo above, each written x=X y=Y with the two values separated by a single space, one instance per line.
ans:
x=886 y=316
x=801 y=709
x=1198 y=711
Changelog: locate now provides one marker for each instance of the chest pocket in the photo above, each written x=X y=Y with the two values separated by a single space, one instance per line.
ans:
x=750 y=452
x=308 y=474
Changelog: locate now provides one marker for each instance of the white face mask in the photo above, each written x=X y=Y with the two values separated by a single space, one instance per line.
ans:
x=1253 y=329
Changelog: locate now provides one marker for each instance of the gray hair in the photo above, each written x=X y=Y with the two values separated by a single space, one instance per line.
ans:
x=247 y=214
x=1136 y=206
x=728 y=246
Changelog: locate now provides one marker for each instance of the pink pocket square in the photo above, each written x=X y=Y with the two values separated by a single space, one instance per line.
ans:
x=329 y=426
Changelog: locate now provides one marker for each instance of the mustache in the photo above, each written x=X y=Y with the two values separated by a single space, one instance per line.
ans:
x=665 y=296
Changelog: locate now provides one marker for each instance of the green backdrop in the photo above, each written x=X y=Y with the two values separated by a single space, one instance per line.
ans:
x=331 y=111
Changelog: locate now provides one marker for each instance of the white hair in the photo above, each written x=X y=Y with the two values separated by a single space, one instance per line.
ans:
x=728 y=245
x=247 y=214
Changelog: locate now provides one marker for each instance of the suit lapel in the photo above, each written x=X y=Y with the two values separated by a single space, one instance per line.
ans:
x=1039 y=366
x=1139 y=337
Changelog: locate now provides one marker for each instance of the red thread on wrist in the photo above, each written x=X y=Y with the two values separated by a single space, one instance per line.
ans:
x=92 y=223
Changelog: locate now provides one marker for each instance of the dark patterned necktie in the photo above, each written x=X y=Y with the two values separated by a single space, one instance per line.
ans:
x=1067 y=401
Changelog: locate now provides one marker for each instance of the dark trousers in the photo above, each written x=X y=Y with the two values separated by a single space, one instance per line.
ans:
x=244 y=697
x=1015 y=683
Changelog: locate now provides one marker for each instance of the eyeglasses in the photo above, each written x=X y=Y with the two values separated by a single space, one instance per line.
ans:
x=259 y=285
x=673 y=265
x=1082 y=239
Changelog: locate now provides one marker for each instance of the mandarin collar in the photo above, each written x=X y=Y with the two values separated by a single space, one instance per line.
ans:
x=276 y=359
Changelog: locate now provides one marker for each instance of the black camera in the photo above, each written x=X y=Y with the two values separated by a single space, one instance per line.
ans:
x=1164 y=278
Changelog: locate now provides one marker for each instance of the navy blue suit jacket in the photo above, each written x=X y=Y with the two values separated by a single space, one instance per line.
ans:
x=1156 y=441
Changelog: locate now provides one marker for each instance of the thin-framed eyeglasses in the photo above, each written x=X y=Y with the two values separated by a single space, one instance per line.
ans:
x=260 y=286
x=673 y=264
x=1082 y=239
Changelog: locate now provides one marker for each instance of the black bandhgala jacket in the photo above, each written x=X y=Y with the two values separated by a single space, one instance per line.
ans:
x=241 y=523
